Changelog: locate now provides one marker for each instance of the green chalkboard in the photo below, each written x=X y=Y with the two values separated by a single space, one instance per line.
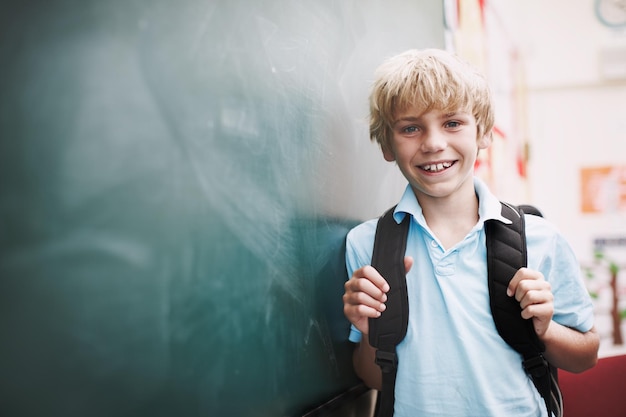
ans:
x=176 y=182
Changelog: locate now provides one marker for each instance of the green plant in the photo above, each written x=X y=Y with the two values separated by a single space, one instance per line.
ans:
x=601 y=260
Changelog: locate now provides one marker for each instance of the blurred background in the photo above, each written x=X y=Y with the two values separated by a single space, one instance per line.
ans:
x=177 y=179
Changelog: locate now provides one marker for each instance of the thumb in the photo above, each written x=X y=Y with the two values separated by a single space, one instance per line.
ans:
x=408 y=263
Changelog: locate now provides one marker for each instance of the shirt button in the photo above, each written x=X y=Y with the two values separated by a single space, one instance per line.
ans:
x=433 y=243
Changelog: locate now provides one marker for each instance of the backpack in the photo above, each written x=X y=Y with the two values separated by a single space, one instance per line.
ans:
x=506 y=253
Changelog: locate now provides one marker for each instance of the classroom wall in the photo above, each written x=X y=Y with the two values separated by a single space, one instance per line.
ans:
x=575 y=106
x=176 y=181
x=573 y=117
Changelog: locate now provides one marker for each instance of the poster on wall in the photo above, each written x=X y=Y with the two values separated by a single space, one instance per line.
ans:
x=603 y=192
x=603 y=189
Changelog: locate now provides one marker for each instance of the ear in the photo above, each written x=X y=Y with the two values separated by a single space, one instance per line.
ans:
x=388 y=155
x=388 y=152
x=485 y=140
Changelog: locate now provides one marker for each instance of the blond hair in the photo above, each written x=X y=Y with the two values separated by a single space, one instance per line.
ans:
x=428 y=79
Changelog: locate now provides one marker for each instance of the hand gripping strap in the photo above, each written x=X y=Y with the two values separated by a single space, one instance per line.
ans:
x=389 y=329
x=506 y=253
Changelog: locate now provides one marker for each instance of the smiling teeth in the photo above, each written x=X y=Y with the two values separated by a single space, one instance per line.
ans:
x=437 y=167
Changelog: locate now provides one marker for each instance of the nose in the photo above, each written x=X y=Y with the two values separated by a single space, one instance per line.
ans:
x=433 y=141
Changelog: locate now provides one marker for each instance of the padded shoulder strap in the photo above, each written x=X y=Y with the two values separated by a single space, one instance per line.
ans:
x=390 y=328
x=506 y=253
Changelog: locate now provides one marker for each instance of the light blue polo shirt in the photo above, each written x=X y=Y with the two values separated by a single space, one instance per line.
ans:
x=452 y=361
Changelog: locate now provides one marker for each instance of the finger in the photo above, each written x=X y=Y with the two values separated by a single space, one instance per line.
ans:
x=512 y=288
x=542 y=311
x=358 y=311
x=408 y=263
x=534 y=292
x=541 y=315
x=522 y=274
x=357 y=286
x=372 y=275
x=357 y=298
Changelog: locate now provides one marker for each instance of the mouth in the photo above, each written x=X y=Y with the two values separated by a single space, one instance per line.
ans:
x=437 y=167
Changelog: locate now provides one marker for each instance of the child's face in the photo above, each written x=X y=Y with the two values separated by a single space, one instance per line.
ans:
x=436 y=150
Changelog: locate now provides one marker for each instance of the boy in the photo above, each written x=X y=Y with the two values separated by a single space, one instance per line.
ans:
x=431 y=113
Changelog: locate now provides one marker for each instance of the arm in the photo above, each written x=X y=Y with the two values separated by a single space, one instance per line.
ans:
x=570 y=349
x=566 y=348
x=364 y=365
x=364 y=298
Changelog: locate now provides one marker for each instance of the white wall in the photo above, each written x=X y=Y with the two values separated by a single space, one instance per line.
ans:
x=575 y=116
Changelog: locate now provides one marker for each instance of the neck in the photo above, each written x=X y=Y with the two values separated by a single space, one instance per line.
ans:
x=450 y=219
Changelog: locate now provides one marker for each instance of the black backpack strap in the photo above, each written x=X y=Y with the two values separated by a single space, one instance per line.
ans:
x=506 y=253
x=389 y=329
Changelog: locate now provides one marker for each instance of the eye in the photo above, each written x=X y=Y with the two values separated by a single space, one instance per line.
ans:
x=453 y=124
x=410 y=129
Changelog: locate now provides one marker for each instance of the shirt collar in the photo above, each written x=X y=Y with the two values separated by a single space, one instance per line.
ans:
x=489 y=206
